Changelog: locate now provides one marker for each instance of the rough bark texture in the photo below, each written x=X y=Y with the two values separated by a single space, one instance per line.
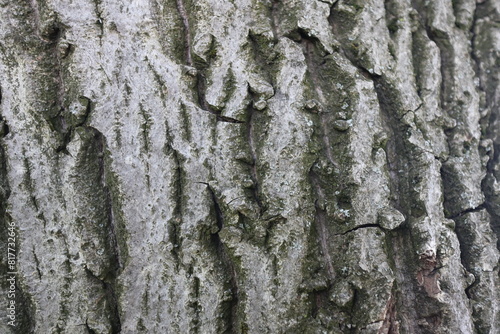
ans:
x=251 y=166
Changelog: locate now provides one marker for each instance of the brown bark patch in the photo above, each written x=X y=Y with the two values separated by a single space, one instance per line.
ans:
x=390 y=324
x=428 y=275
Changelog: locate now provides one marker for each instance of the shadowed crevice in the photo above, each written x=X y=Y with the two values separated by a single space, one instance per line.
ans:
x=361 y=227
x=109 y=291
x=202 y=101
x=251 y=138
x=229 y=306
x=485 y=64
x=402 y=163
x=320 y=223
x=174 y=228
x=187 y=30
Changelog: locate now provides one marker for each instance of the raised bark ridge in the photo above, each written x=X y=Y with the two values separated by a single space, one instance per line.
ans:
x=251 y=166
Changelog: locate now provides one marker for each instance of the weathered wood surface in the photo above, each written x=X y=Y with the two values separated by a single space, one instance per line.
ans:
x=251 y=166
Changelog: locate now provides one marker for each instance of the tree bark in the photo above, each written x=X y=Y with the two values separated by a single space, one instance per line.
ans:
x=250 y=166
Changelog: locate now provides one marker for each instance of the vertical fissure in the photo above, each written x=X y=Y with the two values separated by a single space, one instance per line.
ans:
x=396 y=147
x=174 y=229
x=146 y=141
x=439 y=39
x=485 y=310
x=229 y=306
x=37 y=264
x=100 y=20
x=187 y=30
x=308 y=46
x=112 y=301
x=110 y=281
x=320 y=222
x=196 y=305
x=116 y=323
x=49 y=70
x=314 y=58
x=490 y=121
x=254 y=156
x=400 y=161
x=231 y=313
x=101 y=147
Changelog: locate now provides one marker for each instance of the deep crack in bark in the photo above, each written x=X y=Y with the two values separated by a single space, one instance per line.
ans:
x=320 y=222
x=230 y=306
x=253 y=153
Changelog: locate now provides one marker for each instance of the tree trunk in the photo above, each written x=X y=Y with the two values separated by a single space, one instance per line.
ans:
x=250 y=166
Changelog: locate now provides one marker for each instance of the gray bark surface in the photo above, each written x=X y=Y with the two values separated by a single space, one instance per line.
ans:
x=251 y=166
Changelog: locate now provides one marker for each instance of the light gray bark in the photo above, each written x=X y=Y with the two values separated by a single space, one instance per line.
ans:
x=251 y=166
